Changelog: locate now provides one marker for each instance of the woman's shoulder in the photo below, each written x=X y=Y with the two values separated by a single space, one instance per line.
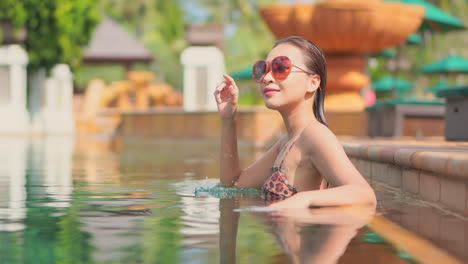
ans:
x=317 y=130
x=318 y=136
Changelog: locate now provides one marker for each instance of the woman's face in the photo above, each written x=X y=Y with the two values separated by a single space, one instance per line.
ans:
x=295 y=88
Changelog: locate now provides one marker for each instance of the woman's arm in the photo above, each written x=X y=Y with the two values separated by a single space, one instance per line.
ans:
x=327 y=155
x=348 y=194
x=226 y=95
x=253 y=176
x=230 y=166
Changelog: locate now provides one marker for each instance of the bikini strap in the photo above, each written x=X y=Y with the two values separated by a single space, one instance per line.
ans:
x=292 y=144
x=285 y=154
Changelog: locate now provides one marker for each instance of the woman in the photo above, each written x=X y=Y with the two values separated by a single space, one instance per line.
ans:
x=308 y=166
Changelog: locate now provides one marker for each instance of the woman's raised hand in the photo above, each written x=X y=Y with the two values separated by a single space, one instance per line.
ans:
x=227 y=95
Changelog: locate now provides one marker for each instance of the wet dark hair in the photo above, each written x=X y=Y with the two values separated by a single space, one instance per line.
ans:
x=315 y=61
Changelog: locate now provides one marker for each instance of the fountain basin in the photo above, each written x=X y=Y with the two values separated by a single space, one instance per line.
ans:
x=346 y=30
x=346 y=26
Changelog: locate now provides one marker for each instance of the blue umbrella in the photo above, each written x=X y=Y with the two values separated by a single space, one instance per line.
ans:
x=386 y=53
x=450 y=64
x=435 y=19
x=388 y=83
x=243 y=74
x=414 y=39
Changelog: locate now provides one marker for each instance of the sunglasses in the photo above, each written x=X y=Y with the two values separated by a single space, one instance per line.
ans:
x=280 y=68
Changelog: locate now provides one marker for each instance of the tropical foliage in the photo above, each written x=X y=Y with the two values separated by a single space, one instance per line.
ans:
x=57 y=29
x=12 y=11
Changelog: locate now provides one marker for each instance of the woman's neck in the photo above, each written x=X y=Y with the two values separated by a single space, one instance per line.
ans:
x=296 y=120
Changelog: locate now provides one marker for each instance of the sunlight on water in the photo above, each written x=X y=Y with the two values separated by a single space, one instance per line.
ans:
x=67 y=202
x=223 y=192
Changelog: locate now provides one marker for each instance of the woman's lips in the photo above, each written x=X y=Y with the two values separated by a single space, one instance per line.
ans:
x=269 y=91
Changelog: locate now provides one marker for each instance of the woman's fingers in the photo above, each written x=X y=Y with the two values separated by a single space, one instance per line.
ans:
x=220 y=87
x=226 y=88
x=218 y=90
x=234 y=91
x=228 y=79
x=234 y=94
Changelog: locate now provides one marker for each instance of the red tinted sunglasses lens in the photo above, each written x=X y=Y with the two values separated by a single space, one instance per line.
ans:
x=281 y=67
x=259 y=70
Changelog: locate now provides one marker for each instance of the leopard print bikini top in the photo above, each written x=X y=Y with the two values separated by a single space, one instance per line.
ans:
x=276 y=187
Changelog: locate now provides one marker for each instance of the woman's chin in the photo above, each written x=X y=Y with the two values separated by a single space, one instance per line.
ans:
x=271 y=105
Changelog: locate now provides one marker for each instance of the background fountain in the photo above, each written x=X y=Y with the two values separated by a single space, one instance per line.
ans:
x=346 y=30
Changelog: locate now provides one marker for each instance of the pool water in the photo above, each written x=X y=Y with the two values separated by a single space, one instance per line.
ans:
x=63 y=201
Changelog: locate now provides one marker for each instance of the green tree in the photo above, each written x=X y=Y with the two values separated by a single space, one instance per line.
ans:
x=76 y=20
x=12 y=11
x=57 y=29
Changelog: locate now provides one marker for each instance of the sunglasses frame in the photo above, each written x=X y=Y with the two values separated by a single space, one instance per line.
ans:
x=275 y=75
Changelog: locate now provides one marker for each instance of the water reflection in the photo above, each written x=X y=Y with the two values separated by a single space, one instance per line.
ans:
x=318 y=235
x=38 y=217
x=200 y=216
x=49 y=170
x=96 y=202
x=33 y=169
x=12 y=183
x=305 y=235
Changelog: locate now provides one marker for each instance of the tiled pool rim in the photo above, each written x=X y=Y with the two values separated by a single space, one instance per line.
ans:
x=435 y=171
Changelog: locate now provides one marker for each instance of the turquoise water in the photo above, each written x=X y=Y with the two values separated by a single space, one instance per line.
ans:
x=62 y=202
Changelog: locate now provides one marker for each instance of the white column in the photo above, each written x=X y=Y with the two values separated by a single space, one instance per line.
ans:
x=52 y=102
x=13 y=113
x=189 y=89
x=64 y=77
x=198 y=61
x=37 y=100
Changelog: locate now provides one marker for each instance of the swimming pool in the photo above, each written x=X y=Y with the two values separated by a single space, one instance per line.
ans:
x=93 y=202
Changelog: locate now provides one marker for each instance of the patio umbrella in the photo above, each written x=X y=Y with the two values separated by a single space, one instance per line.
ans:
x=414 y=39
x=388 y=83
x=450 y=64
x=243 y=74
x=435 y=19
x=386 y=53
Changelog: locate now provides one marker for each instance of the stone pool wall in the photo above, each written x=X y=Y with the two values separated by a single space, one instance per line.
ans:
x=435 y=171
x=259 y=126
